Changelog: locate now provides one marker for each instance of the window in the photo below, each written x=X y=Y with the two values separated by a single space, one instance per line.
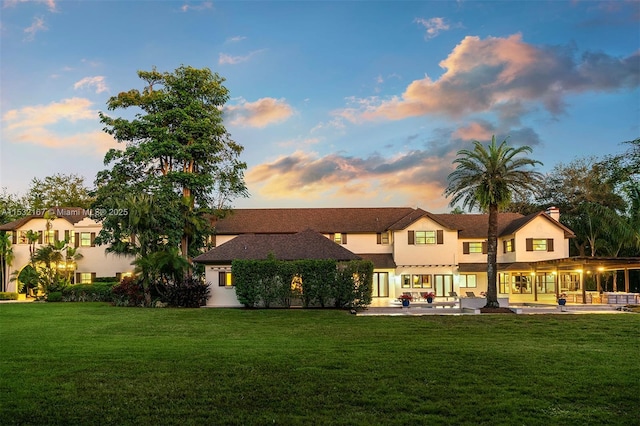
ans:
x=478 y=247
x=503 y=283
x=22 y=237
x=521 y=283
x=569 y=281
x=85 y=277
x=339 y=238
x=380 y=284
x=383 y=238
x=443 y=284
x=85 y=239
x=421 y=281
x=406 y=281
x=545 y=283
x=225 y=279
x=539 y=244
x=70 y=237
x=50 y=236
x=509 y=246
x=426 y=237
x=468 y=280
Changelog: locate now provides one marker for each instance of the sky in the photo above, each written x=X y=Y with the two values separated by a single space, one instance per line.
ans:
x=337 y=103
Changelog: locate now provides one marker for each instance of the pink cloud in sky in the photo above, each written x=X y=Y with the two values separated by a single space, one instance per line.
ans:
x=51 y=4
x=261 y=113
x=433 y=26
x=484 y=75
x=32 y=125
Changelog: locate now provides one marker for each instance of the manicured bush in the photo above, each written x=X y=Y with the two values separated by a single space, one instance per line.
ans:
x=54 y=296
x=128 y=293
x=188 y=293
x=319 y=283
x=97 y=292
x=8 y=295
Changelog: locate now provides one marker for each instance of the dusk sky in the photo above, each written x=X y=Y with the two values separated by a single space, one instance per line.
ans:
x=337 y=103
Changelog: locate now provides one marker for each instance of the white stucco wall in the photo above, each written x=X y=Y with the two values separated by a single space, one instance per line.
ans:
x=220 y=296
x=425 y=254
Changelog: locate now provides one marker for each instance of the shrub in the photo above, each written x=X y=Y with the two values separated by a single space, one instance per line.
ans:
x=54 y=296
x=97 y=292
x=8 y=296
x=188 y=293
x=128 y=293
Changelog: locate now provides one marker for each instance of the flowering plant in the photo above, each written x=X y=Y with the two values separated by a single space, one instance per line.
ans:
x=428 y=295
x=405 y=296
x=483 y=293
x=562 y=296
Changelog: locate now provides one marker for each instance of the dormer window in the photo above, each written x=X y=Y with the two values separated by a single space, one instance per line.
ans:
x=539 y=244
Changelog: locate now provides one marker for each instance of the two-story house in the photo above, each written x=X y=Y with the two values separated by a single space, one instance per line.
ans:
x=417 y=251
x=76 y=227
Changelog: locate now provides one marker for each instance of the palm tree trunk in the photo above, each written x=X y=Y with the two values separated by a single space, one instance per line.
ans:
x=492 y=258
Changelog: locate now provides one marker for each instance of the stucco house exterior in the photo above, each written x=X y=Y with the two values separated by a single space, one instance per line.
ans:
x=415 y=251
x=76 y=226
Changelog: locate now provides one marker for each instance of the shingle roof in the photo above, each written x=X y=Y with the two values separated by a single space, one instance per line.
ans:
x=323 y=220
x=307 y=244
x=476 y=225
x=71 y=214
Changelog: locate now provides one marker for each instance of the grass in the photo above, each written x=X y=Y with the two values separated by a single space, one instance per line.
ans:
x=91 y=363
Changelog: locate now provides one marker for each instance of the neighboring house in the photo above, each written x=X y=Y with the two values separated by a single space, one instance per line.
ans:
x=414 y=250
x=74 y=225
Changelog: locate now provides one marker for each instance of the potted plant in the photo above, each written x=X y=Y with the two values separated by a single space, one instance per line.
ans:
x=562 y=299
x=405 y=299
x=429 y=296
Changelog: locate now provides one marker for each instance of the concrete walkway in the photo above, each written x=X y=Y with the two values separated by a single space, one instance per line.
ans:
x=570 y=309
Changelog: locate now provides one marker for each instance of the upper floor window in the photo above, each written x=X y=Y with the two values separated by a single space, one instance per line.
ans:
x=383 y=238
x=339 y=238
x=24 y=239
x=87 y=239
x=426 y=237
x=469 y=247
x=539 y=244
x=509 y=246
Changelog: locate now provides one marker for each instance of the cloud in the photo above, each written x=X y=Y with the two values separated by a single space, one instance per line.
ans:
x=433 y=26
x=505 y=75
x=32 y=124
x=97 y=82
x=410 y=177
x=51 y=4
x=235 y=39
x=407 y=178
x=233 y=60
x=261 y=113
x=207 y=5
x=36 y=26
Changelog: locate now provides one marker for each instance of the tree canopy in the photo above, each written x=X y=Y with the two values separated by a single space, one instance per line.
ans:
x=177 y=159
x=487 y=177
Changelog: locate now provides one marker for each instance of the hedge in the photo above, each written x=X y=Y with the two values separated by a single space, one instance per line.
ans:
x=4 y=295
x=313 y=283
x=96 y=292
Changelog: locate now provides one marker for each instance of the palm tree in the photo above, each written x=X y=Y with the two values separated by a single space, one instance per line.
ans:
x=487 y=177
x=6 y=258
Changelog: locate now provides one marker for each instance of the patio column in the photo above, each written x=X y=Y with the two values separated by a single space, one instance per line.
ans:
x=626 y=280
x=584 y=289
x=615 y=281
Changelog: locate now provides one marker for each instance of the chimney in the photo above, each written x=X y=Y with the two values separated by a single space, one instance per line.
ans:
x=554 y=212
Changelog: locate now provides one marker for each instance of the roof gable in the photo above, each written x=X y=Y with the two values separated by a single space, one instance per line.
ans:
x=72 y=215
x=307 y=244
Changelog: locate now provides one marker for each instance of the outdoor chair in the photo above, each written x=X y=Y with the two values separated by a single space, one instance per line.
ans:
x=471 y=294
x=453 y=294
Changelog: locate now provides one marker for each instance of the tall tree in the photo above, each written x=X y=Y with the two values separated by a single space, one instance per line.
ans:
x=487 y=177
x=59 y=190
x=590 y=195
x=6 y=259
x=177 y=149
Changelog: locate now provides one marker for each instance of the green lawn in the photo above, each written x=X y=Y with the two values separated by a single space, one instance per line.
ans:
x=90 y=363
